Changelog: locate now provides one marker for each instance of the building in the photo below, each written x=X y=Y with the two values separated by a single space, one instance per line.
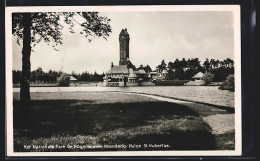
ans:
x=123 y=74
x=124 y=47
x=153 y=76
x=197 y=80
x=161 y=74
x=198 y=76
x=73 y=79
x=158 y=75
x=117 y=76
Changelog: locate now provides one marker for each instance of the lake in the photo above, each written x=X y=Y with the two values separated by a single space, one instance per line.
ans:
x=206 y=94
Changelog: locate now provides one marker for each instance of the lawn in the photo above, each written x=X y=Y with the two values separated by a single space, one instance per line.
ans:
x=90 y=121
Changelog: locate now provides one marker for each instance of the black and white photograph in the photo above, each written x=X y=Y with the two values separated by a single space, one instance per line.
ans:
x=123 y=81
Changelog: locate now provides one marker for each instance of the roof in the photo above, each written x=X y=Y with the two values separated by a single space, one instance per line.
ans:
x=132 y=74
x=72 y=78
x=164 y=71
x=118 y=69
x=198 y=75
x=124 y=32
x=141 y=71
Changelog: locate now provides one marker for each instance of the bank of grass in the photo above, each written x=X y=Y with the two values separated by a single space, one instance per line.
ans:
x=38 y=85
x=170 y=82
x=72 y=84
x=225 y=140
x=82 y=122
x=230 y=88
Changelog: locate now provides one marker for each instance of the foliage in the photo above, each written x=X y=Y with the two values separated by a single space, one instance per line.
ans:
x=229 y=83
x=162 y=65
x=47 y=27
x=63 y=80
x=146 y=68
x=208 y=77
x=86 y=76
x=170 y=75
x=34 y=27
x=230 y=80
x=39 y=76
x=185 y=69
x=206 y=64
x=16 y=76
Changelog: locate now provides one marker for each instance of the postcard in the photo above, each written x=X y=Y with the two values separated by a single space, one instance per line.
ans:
x=123 y=80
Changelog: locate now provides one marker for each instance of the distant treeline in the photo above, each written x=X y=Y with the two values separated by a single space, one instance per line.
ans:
x=177 y=70
x=86 y=76
x=39 y=76
x=185 y=69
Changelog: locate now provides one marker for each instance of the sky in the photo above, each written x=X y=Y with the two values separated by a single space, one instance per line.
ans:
x=154 y=36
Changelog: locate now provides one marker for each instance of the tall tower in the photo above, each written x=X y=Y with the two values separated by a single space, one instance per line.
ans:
x=124 y=47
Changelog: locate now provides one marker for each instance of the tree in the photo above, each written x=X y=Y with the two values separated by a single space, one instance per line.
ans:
x=63 y=80
x=230 y=63
x=140 y=67
x=177 y=64
x=183 y=64
x=208 y=77
x=147 y=69
x=170 y=75
x=162 y=66
x=206 y=64
x=229 y=83
x=212 y=63
x=39 y=75
x=230 y=80
x=33 y=28
x=16 y=76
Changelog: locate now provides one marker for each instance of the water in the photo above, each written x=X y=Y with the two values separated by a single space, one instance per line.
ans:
x=206 y=94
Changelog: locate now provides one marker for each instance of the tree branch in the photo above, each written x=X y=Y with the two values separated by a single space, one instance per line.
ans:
x=34 y=15
x=75 y=20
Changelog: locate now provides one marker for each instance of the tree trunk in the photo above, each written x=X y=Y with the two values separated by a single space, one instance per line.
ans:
x=26 y=65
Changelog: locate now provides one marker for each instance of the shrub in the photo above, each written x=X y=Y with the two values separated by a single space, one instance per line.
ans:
x=230 y=80
x=63 y=80
x=229 y=83
x=208 y=77
x=170 y=82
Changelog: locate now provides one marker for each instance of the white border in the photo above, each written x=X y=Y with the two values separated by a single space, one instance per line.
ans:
x=237 y=59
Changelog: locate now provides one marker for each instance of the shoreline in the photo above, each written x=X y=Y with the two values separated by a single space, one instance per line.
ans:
x=117 y=89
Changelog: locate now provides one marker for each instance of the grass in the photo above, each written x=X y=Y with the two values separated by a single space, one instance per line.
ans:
x=230 y=88
x=110 y=124
x=226 y=140
x=38 y=85
x=106 y=120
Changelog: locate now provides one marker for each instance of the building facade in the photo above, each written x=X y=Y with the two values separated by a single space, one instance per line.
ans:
x=197 y=80
x=123 y=74
x=124 y=47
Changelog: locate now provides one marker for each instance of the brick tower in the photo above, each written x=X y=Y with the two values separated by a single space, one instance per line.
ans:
x=124 y=47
